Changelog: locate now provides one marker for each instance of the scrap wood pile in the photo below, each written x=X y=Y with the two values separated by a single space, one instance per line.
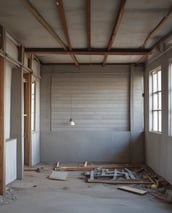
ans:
x=145 y=179
x=116 y=173
x=90 y=166
x=110 y=173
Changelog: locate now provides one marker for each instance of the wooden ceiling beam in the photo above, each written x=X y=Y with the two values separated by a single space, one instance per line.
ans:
x=88 y=24
x=115 y=28
x=44 y=23
x=157 y=27
x=61 y=12
x=86 y=52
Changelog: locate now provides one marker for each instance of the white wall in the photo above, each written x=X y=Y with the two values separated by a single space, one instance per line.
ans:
x=92 y=139
x=10 y=142
x=159 y=145
x=11 y=160
x=35 y=145
x=7 y=107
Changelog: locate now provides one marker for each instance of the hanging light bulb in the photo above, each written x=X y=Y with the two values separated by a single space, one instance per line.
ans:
x=71 y=122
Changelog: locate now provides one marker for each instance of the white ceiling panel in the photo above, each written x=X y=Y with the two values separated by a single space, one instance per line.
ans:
x=139 y=19
x=123 y=59
x=75 y=12
x=91 y=59
x=55 y=58
x=103 y=15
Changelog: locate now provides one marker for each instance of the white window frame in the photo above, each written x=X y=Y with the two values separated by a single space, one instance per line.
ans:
x=156 y=100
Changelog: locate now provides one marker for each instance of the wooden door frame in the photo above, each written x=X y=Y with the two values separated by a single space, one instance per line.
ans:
x=27 y=119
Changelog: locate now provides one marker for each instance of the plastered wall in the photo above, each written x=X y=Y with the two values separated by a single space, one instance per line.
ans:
x=159 y=145
x=102 y=144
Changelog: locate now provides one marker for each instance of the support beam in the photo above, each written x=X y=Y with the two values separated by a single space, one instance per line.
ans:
x=86 y=52
x=115 y=28
x=2 y=139
x=157 y=27
x=61 y=12
x=88 y=24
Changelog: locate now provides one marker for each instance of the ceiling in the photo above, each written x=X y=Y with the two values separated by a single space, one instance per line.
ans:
x=88 y=31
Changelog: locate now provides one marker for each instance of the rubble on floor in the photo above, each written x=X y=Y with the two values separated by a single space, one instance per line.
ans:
x=7 y=197
x=138 y=175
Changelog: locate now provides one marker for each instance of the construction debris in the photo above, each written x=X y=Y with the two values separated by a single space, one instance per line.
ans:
x=166 y=197
x=120 y=176
x=115 y=182
x=133 y=190
x=33 y=169
x=8 y=197
x=58 y=175
x=110 y=174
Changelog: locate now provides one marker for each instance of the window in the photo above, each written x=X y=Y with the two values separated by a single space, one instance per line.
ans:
x=33 y=110
x=170 y=99
x=156 y=100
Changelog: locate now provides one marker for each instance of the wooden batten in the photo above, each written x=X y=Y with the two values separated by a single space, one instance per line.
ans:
x=2 y=143
x=27 y=118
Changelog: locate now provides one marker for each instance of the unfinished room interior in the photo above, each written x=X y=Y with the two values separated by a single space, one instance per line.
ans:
x=85 y=106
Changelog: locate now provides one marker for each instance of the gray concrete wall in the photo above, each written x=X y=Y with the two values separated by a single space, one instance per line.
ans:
x=159 y=145
x=17 y=118
x=123 y=145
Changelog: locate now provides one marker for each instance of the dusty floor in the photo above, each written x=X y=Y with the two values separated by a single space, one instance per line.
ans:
x=36 y=193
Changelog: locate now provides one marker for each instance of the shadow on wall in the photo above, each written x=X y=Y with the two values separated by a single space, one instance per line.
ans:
x=92 y=147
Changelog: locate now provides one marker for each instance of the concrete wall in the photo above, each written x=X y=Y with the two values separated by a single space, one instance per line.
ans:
x=101 y=145
x=11 y=144
x=159 y=145
x=17 y=118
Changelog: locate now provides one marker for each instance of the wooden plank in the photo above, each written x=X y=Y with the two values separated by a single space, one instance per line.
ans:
x=32 y=169
x=133 y=190
x=115 y=28
x=2 y=139
x=106 y=166
x=44 y=23
x=157 y=27
x=115 y=182
x=88 y=17
x=27 y=118
x=61 y=11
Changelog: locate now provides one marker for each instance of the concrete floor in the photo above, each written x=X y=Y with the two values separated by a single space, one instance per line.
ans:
x=37 y=194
